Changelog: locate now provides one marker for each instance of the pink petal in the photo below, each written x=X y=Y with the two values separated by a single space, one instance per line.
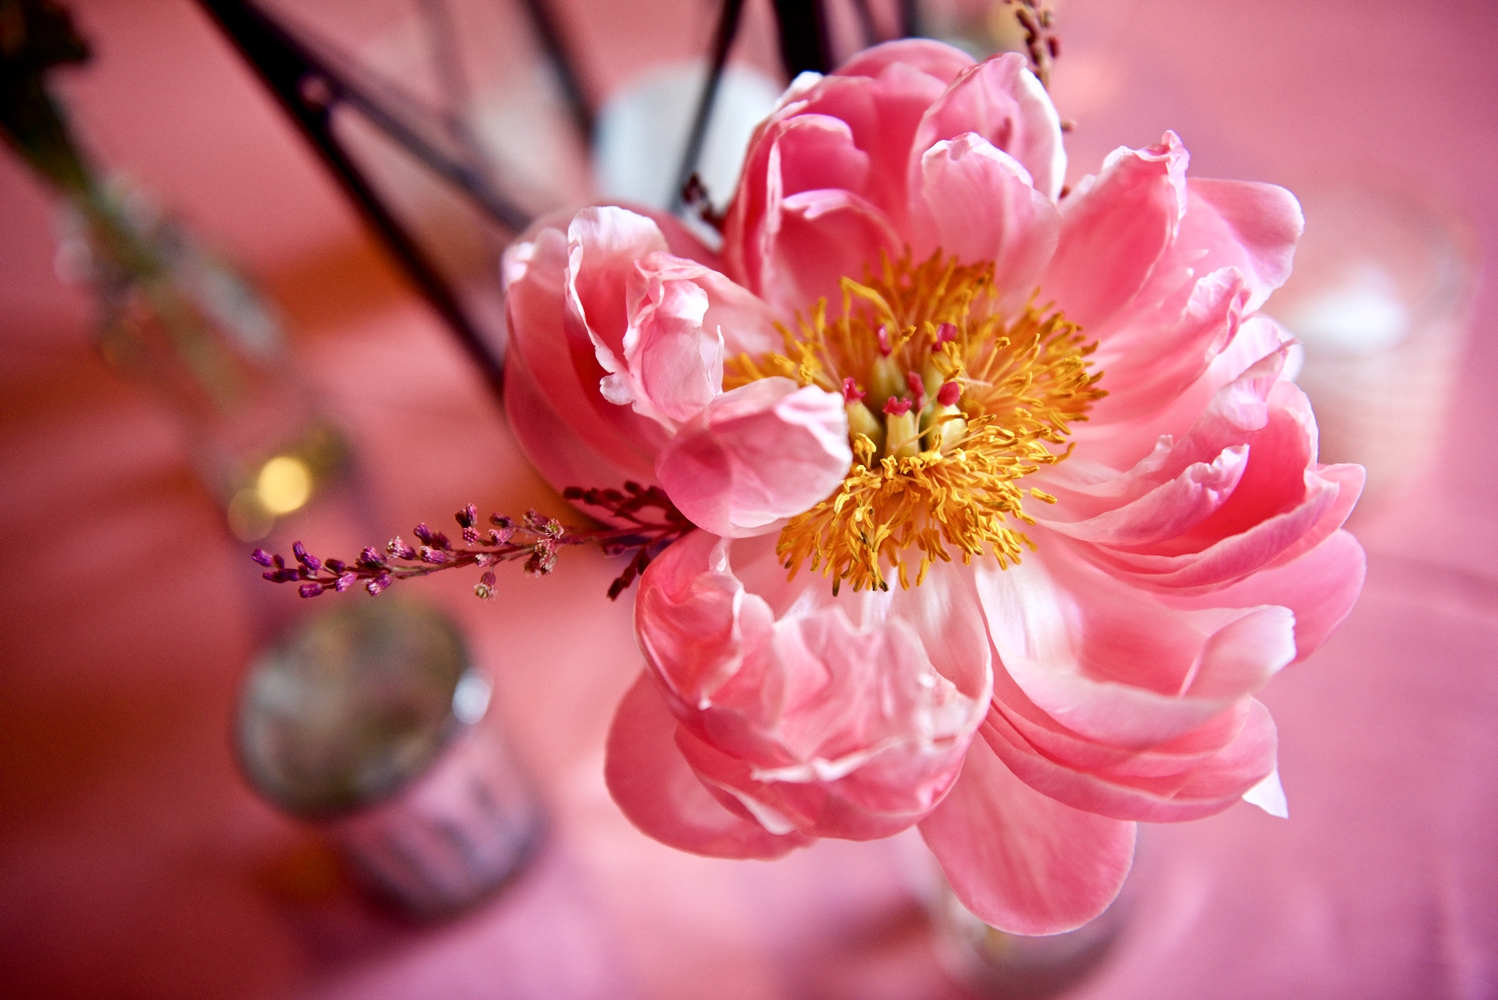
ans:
x=1003 y=102
x=1319 y=587
x=650 y=781
x=977 y=203
x=1116 y=665
x=762 y=452
x=1251 y=227
x=1150 y=361
x=675 y=364
x=561 y=376
x=1115 y=230
x=603 y=243
x=1020 y=861
x=819 y=238
x=1154 y=786
x=694 y=621
x=937 y=59
x=559 y=453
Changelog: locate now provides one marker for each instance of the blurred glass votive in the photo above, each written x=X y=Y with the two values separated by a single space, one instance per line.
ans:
x=370 y=722
x=992 y=963
x=1380 y=299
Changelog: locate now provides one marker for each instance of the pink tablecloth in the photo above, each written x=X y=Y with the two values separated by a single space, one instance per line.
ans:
x=134 y=863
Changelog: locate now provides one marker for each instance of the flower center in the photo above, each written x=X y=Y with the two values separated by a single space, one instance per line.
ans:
x=951 y=402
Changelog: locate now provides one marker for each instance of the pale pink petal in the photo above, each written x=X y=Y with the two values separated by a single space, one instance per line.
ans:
x=1002 y=101
x=1157 y=785
x=1114 y=231
x=650 y=781
x=693 y=620
x=556 y=451
x=603 y=243
x=977 y=204
x=1149 y=363
x=937 y=59
x=819 y=238
x=1113 y=663
x=762 y=452
x=1021 y=861
x=1251 y=227
x=674 y=363
x=561 y=374
x=1319 y=587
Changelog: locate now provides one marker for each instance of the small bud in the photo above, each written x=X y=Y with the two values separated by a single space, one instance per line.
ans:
x=398 y=548
x=310 y=561
x=310 y=589
x=500 y=521
x=262 y=557
x=369 y=557
x=501 y=537
x=422 y=532
x=488 y=579
x=948 y=394
x=378 y=584
x=468 y=516
x=430 y=555
x=336 y=565
x=851 y=392
x=344 y=582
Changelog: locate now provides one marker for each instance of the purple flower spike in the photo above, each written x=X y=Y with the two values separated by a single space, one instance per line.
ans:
x=345 y=581
x=262 y=557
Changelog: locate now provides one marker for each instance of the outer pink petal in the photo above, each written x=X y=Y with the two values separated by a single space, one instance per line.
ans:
x=545 y=356
x=937 y=59
x=1115 y=230
x=1252 y=227
x=1320 y=587
x=1021 y=861
x=977 y=203
x=1000 y=100
x=650 y=781
x=759 y=453
x=1116 y=665
x=1149 y=786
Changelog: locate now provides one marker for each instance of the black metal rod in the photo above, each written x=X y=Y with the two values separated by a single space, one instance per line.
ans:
x=308 y=94
x=804 y=40
x=728 y=27
x=544 y=20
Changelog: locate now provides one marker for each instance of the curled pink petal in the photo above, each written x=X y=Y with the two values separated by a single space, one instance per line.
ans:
x=1021 y=861
x=650 y=781
x=765 y=451
x=1115 y=229
x=1001 y=101
x=977 y=203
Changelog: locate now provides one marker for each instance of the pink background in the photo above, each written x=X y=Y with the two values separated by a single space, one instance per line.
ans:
x=135 y=863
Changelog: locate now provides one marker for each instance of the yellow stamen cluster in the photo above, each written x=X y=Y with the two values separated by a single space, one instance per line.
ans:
x=950 y=403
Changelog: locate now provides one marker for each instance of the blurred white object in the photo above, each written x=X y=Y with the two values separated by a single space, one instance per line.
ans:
x=642 y=132
x=1380 y=300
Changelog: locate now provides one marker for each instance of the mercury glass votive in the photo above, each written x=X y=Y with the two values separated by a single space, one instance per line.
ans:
x=371 y=722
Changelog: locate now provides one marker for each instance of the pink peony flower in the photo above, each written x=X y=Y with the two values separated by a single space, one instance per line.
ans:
x=1006 y=509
